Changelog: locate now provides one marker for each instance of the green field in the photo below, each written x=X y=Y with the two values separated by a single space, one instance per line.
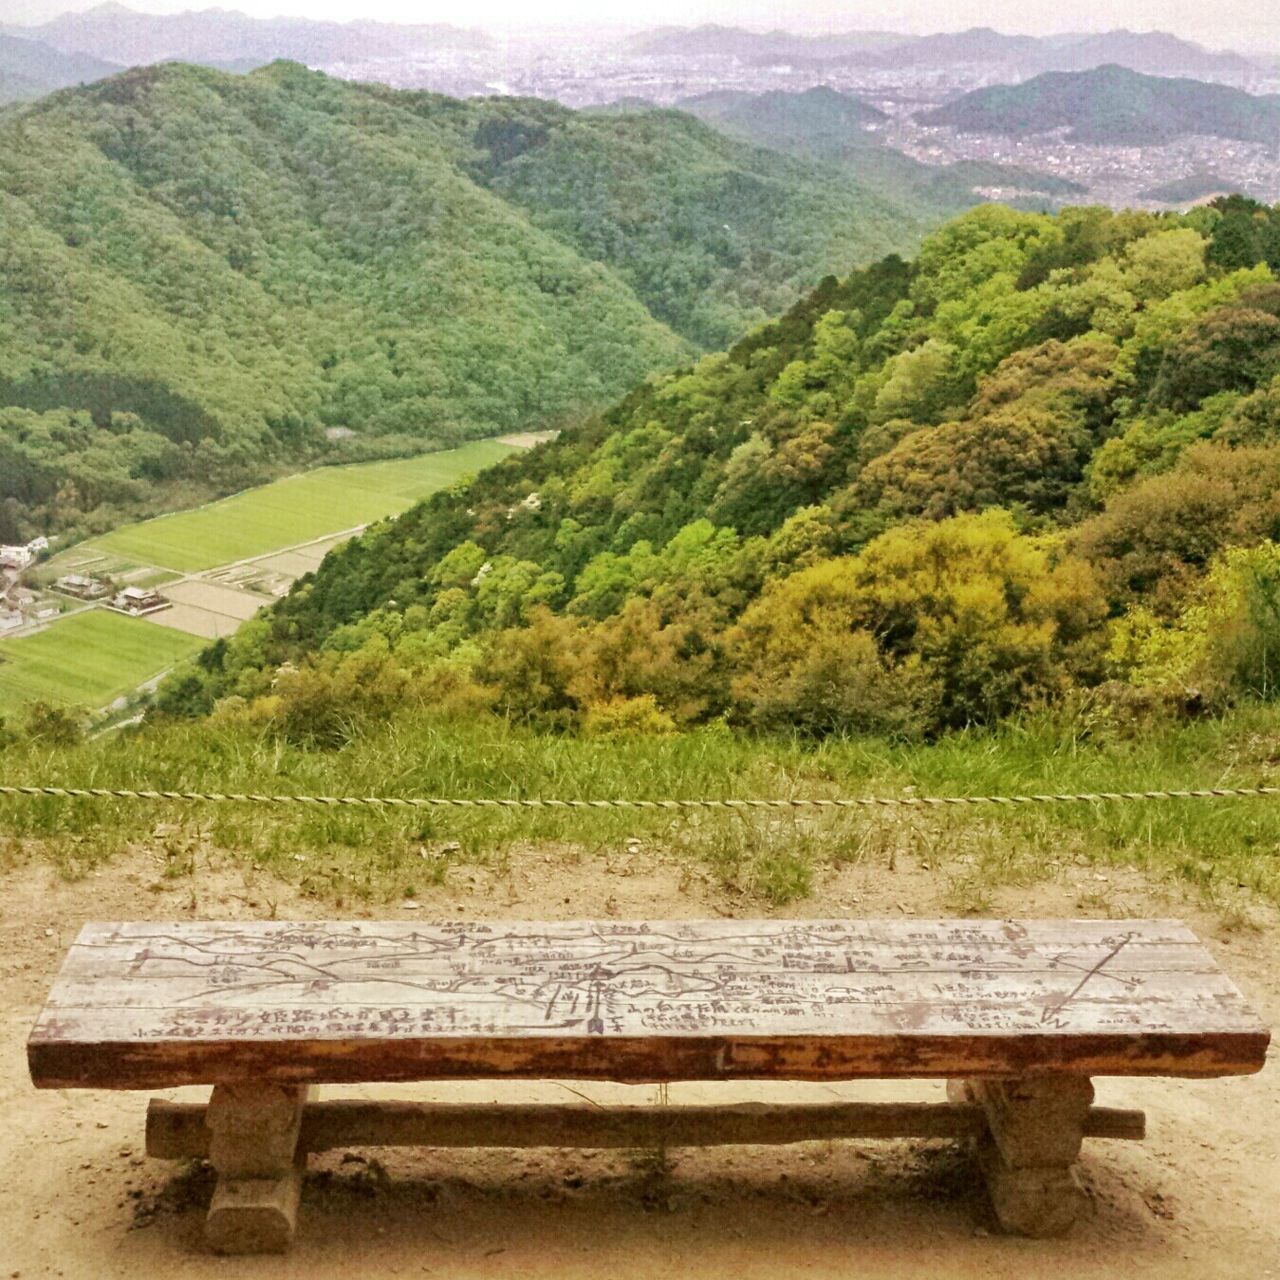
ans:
x=297 y=509
x=87 y=660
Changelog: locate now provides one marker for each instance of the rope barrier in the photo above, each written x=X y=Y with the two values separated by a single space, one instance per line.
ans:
x=433 y=802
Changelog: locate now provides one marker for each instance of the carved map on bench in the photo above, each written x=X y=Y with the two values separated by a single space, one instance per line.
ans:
x=153 y=1005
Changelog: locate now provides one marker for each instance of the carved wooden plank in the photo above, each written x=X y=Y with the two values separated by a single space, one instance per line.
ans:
x=177 y=1130
x=153 y=1005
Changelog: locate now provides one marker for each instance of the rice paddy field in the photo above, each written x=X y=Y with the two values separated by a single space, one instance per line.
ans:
x=87 y=659
x=294 y=510
x=246 y=549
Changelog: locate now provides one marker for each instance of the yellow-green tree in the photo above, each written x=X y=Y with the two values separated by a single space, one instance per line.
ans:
x=932 y=625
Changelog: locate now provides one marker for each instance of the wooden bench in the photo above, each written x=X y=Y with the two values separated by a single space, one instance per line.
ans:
x=1018 y=1015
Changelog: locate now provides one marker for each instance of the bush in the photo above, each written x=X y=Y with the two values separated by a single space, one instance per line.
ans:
x=1158 y=537
x=55 y=726
x=931 y=626
x=1224 y=645
x=626 y=717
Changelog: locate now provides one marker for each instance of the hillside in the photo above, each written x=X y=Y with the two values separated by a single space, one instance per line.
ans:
x=1037 y=464
x=1113 y=106
x=29 y=69
x=820 y=121
x=712 y=235
x=204 y=274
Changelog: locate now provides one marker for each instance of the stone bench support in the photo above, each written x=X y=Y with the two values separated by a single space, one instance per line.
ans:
x=253 y=1147
x=1027 y=1156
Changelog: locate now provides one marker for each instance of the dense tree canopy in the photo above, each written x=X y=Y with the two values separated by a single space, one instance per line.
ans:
x=1034 y=461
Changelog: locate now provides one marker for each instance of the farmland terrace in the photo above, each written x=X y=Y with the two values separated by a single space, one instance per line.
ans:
x=216 y=565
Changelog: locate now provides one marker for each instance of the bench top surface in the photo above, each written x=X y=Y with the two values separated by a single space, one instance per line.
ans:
x=151 y=1005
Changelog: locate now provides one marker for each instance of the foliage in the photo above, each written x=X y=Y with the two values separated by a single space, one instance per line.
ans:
x=1226 y=641
x=931 y=626
x=920 y=499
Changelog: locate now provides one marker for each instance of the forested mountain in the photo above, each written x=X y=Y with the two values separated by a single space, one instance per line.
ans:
x=1114 y=106
x=201 y=274
x=222 y=36
x=29 y=69
x=834 y=128
x=1039 y=462
x=712 y=235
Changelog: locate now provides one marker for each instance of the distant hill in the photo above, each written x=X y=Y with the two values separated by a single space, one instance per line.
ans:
x=224 y=37
x=747 y=46
x=980 y=44
x=831 y=127
x=29 y=69
x=1113 y=106
x=1015 y=57
x=1154 y=53
x=1192 y=189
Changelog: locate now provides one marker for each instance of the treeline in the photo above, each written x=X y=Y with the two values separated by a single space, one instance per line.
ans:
x=1040 y=463
x=207 y=278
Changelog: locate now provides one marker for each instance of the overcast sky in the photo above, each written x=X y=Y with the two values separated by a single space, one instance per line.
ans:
x=1252 y=24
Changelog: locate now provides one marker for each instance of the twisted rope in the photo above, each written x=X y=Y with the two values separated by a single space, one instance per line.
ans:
x=437 y=802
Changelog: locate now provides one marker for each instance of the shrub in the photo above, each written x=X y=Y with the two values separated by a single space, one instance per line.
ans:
x=1224 y=645
x=626 y=717
x=932 y=625
x=1158 y=537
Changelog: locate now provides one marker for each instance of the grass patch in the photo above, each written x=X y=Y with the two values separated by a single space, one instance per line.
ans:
x=1215 y=846
x=88 y=660
x=296 y=509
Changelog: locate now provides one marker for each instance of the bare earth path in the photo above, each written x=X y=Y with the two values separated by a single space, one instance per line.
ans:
x=1197 y=1200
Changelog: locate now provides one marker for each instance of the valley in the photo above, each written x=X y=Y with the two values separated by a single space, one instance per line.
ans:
x=460 y=475
x=214 y=567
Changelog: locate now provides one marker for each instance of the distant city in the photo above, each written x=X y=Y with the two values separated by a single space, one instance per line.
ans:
x=901 y=77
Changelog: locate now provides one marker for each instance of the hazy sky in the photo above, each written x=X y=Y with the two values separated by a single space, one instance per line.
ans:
x=1253 y=24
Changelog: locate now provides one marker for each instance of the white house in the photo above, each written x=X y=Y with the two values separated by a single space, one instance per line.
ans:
x=16 y=557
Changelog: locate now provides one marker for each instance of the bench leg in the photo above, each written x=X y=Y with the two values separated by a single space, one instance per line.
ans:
x=1034 y=1128
x=253 y=1146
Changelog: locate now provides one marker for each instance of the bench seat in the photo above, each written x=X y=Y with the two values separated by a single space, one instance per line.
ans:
x=1019 y=1015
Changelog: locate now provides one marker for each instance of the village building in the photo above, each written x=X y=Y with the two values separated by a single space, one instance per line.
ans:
x=9 y=621
x=139 y=600
x=18 y=558
x=83 y=588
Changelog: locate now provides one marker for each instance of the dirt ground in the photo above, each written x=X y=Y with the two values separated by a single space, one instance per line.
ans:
x=1198 y=1199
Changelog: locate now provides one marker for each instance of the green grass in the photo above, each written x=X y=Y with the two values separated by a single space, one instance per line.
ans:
x=297 y=509
x=1220 y=848
x=88 y=660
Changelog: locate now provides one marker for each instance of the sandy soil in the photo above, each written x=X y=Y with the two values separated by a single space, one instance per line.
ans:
x=78 y=1199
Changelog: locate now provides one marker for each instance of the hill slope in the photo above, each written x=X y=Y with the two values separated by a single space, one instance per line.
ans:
x=1043 y=458
x=1113 y=106
x=203 y=273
